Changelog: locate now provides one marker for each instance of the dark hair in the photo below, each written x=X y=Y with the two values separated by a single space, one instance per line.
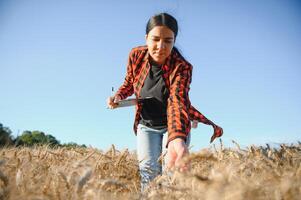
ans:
x=163 y=19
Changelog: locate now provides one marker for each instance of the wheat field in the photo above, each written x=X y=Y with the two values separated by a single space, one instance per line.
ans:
x=215 y=173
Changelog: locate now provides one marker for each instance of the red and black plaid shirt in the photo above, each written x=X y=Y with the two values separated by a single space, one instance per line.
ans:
x=177 y=74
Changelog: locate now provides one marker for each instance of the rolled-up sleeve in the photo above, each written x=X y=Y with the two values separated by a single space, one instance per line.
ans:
x=127 y=88
x=178 y=104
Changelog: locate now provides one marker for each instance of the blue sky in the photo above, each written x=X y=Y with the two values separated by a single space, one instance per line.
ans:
x=59 y=60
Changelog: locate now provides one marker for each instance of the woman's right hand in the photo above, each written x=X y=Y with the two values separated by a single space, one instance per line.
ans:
x=112 y=101
x=176 y=151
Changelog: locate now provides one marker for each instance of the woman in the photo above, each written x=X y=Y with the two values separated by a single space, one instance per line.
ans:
x=160 y=75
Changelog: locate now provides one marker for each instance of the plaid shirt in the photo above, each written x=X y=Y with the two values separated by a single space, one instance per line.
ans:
x=177 y=74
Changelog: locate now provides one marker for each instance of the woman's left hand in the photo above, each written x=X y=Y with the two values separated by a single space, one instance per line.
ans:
x=177 y=149
x=194 y=124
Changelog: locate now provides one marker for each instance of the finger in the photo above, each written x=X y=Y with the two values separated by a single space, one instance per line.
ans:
x=182 y=164
x=116 y=98
x=184 y=167
x=110 y=99
x=171 y=158
x=181 y=153
x=114 y=105
x=109 y=103
x=171 y=162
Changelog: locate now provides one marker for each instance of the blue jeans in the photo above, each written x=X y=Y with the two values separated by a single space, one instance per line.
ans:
x=150 y=143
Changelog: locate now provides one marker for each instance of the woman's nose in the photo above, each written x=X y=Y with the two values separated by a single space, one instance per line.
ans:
x=161 y=45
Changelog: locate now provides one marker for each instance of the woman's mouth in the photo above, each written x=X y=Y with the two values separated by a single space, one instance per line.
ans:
x=159 y=54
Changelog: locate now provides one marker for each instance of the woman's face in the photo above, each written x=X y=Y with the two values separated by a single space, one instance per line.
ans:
x=160 y=41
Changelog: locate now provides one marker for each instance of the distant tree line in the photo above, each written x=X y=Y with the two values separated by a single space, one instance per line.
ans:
x=31 y=138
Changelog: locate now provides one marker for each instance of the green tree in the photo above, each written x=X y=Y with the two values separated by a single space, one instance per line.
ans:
x=5 y=136
x=30 y=138
x=73 y=145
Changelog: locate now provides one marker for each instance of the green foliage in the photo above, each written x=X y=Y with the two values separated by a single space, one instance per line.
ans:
x=5 y=136
x=30 y=138
x=73 y=145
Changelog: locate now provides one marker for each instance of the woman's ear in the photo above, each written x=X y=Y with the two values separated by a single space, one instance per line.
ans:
x=146 y=38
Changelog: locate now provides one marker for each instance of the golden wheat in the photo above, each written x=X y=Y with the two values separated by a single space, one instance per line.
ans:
x=63 y=173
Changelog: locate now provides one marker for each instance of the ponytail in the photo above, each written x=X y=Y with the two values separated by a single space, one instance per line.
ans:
x=178 y=52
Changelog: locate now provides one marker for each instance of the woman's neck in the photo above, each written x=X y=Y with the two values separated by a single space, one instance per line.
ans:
x=152 y=62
